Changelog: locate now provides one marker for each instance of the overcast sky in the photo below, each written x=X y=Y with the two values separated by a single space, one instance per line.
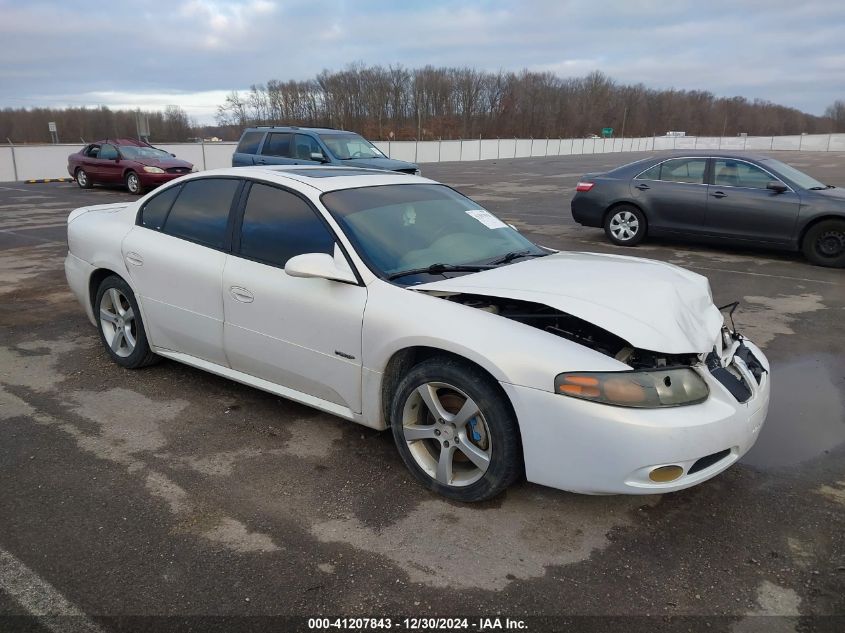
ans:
x=153 y=53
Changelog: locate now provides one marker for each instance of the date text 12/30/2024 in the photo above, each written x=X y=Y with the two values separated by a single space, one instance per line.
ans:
x=418 y=624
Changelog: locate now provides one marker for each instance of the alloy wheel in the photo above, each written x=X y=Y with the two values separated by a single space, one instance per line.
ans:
x=117 y=321
x=82 y=178
x=132 y=183
x=447 y=434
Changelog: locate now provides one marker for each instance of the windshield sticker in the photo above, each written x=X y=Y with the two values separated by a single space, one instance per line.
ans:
x=486 y=218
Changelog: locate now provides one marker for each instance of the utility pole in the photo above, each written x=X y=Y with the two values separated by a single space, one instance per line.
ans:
x=624 y=118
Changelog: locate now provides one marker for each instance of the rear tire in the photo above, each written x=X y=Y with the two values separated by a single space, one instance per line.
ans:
x=133 y=184
x=824 y=244
x=120 y=325
x=83 y=179
x=625 y=225
x=455 y=430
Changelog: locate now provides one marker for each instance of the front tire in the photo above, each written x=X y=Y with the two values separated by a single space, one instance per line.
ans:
x=83 y=179
x=455 y=431
x=824 y=244
x=625 y=225
x=133 y=184
x=120 y=325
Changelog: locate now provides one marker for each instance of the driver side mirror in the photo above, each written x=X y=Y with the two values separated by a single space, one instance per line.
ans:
x=318 y=156
x=319 y=266
x=777 y=186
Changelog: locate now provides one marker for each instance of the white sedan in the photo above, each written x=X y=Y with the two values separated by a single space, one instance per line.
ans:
x=396 y=302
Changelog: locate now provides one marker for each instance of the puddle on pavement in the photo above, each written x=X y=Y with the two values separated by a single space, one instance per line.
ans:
x=806 y=412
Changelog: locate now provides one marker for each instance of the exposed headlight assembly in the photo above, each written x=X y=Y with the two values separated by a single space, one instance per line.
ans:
x=153 y=170
x=649 y=389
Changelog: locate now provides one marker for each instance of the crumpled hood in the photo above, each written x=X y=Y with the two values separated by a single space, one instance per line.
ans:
x=388 y=164
x=650 y=304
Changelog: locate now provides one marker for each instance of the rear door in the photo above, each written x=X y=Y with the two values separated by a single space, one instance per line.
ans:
x=175 y=256
x=301 y=333
x=740 y=206
x=276 y=150
x=247 y=148
x=673 y=195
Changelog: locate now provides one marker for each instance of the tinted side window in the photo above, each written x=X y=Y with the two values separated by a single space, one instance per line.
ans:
x=733 y=173
x=156 y=208
x=108 y=152
x=305 y=145
x=277 y=145
x=249 y=143
x=689 y=170
x=652 y=173
x=201 y=211
x=278 y=225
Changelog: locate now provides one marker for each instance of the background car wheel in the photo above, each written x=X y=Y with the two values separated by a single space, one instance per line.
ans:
x=120 y=325
x=824 y=244
x=456 y=432
x=133 y=184
x=83 y=180
x=625 y=225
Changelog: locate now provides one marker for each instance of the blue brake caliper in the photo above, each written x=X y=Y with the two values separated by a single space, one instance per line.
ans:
x=475 y=434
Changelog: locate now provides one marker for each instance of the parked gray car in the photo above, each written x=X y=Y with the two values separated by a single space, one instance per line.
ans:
x=728 y=198
x=290 y=145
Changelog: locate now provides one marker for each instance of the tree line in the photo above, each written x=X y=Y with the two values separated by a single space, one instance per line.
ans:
x=78 y=125
x=427 y=103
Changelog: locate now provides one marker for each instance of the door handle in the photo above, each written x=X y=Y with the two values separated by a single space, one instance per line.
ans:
x=134 y=259
x=719 y=194
x=642 y=187
x=260 y=161
x=242 y=294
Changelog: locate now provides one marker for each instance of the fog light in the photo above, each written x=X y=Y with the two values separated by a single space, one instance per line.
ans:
x=665 y=474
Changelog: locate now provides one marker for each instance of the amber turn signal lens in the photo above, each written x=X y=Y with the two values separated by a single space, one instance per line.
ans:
x=665 y=474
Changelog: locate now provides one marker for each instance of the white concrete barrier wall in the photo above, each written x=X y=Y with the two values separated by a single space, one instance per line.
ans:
x=837 y=143
x=33 y=162
x=7 y=165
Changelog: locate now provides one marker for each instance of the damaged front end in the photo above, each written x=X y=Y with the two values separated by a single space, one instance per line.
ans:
x=572 y=328
x=731 y=361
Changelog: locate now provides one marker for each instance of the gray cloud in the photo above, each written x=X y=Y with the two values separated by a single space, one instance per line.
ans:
x=191 y=52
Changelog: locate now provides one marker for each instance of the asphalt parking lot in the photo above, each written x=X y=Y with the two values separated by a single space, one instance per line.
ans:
x=172 y=492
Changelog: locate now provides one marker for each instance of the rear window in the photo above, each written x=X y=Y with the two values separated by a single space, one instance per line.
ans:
x=249 y=143
x=201 y=211
x=156 y=208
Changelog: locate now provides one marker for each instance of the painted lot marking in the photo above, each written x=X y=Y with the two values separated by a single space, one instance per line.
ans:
x=40 y=599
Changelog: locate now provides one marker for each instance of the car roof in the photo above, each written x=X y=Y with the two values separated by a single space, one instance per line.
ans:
x=320 y=177
x=293 y=128
x=121 y=141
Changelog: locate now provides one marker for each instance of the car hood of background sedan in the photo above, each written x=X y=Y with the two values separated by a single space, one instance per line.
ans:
x=652 y=305
x=388 y=164
x=163 y=163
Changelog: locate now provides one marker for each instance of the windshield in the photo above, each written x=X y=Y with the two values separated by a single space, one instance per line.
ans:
x=132 y=151
x=348 y=146
x=801 y=179
x=400 y=228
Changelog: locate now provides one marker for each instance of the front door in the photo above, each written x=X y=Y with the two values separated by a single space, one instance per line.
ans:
x=304 y=334
x=109 y=168
x=175 y=258
x=740 y=206
x=673 y=195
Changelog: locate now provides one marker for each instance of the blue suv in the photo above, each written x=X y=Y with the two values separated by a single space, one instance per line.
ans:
x=312 y=146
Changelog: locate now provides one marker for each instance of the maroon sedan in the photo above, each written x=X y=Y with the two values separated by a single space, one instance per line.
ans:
x=136 y=164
